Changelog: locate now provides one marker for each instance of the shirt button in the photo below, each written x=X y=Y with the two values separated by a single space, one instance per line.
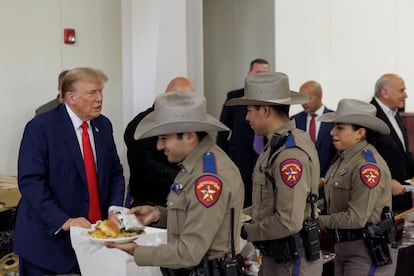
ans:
x=336 y=183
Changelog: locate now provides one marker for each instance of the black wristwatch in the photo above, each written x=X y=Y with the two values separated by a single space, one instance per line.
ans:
x=243 y=233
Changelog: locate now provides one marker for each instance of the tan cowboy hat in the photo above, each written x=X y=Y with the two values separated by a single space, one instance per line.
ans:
x=356 y=112
x=177 y=112
x=268 y=88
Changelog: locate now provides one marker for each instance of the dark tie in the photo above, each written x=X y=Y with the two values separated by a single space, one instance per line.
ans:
x=90 y=169
x=312 y=128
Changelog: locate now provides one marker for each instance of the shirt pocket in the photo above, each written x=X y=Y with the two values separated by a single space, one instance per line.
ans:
x=177 y=213
x=265 y=189
x=340 y=195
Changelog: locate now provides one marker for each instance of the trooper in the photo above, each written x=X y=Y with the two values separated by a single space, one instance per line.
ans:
x=358 y=193
x=206 y=199
x=285 y=180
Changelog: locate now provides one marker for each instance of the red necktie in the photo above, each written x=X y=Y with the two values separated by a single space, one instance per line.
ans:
x=90 y=169
x=312 y=128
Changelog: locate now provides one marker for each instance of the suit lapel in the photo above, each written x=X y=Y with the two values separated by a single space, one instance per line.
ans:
x=96 y=129
x=71 y=141
x=301 y=121
x=401 y=125
x=384 y=117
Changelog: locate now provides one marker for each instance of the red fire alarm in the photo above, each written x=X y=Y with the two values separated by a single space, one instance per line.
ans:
x=69 y=36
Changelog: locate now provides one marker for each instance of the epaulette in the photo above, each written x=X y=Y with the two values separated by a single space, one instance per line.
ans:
x=290 y=141
x=209 y=163
x=369 y=156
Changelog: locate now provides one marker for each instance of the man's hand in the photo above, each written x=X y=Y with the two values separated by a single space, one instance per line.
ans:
x=397 y=188
x=146 y=214
x=128 y=247
x=113 y=217
x=80 y=222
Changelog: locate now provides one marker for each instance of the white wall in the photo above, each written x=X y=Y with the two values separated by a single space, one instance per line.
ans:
x=33 y=53
x=161 y=40
x=345 y=45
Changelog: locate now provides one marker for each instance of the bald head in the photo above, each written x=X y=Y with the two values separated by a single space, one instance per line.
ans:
x=390 y=90
x=313 y=90
x=180 y=84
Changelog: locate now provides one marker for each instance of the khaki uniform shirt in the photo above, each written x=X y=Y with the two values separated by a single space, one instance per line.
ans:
x=194 y=229
x=48 y=106
x=356 y=189
x=279 y=212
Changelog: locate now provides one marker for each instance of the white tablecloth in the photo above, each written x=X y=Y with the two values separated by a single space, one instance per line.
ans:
x=95 y=259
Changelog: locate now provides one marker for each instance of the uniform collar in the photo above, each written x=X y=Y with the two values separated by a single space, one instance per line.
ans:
x=283 y=130
x=194 y=157
x=349 y=153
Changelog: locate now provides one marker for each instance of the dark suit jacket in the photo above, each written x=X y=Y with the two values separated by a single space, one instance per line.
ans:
x=324 y=145
x=239 y=147
x=399 y=161
x=53 y=185
x=151 y=175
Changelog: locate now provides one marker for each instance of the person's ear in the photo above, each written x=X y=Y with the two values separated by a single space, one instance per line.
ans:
x=361 y=132
x=384 y=92
x=70 y=97
x=190 y=137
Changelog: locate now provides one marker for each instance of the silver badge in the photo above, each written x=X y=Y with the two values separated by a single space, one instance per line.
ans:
x=343 y=172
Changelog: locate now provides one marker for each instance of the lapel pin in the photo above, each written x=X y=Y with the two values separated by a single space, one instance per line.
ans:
x=177 y=188
x=96 y=129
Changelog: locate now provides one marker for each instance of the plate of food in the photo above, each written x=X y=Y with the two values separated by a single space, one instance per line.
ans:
x=109 y=231
x=244 y=217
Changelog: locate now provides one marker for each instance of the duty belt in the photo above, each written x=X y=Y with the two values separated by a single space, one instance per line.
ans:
x=342 y=235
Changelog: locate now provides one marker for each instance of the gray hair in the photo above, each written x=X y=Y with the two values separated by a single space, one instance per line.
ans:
x=381 y=83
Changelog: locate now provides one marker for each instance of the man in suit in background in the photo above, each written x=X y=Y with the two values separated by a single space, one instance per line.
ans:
x=151 y=175
x=390 y=95
x=320 y=134
x=56 y=101
x=239 y=146
x=60 y=182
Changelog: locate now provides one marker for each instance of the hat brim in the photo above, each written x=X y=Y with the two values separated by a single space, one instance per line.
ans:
x=149 y=127
x=295 y=98
x=365 y=121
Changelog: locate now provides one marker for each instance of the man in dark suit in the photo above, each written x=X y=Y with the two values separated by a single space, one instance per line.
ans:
x=239 y=146
x=323 y=139
x=151 y=175
x=390 y=95
x=55 y=186
x=322 y=136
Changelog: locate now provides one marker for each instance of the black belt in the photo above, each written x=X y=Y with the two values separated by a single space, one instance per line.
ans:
x=341 y=235
x=214 y=267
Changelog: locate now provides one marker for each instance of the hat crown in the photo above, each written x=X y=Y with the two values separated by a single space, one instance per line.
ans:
x=180 y=106
x=355 y=107
x=267 y=86
x=356 y=112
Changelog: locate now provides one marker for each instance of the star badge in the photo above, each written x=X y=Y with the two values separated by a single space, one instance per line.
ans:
x=208 y=189
x=370 y=175
x=291 y=172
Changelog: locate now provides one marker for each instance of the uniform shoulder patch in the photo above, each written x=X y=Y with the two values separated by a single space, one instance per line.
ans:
x=208 y=190
x=290 y=172
x=370 y=175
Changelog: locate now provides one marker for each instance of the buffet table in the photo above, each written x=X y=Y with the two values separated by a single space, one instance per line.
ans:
x=95 y=259
x=405 y=264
